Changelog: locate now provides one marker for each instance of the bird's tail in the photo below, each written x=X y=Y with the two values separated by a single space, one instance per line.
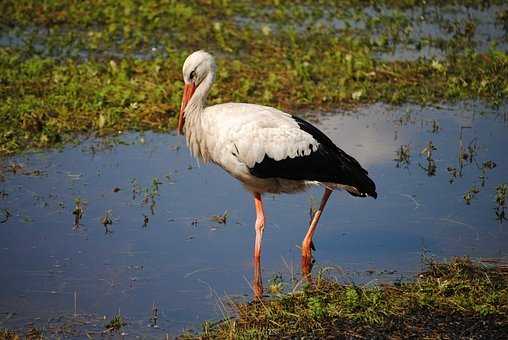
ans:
x=362 y=186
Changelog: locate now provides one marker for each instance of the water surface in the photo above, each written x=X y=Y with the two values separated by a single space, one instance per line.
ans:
x=164 y=249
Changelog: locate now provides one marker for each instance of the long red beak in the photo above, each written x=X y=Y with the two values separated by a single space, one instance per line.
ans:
x=188 y=91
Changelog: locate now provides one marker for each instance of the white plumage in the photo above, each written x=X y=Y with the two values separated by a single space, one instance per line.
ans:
x=240 y=135
x=266 y=149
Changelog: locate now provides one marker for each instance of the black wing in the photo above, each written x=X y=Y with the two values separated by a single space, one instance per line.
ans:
x=326 y=164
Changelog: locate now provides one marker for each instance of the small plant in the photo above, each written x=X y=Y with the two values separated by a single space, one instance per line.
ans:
x=154 y=190
x=276 y=284
x=470 y=194
x=428 y=149
x=78 y=212
x=431 y=164
x=352 y=298
x=501 y=195
x=454 y=173
x=316 y=307
x=107 y=220
x=221 y=219
x=116 y=323
x=403 y=156
x=151 y=194
x=486 y=166
x=470 y=152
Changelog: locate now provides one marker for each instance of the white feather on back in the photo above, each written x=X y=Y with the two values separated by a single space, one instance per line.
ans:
x=251 y=132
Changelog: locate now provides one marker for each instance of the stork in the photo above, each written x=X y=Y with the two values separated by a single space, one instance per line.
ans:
x=267 y=150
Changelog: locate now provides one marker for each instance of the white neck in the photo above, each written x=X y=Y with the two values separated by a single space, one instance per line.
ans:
x=198 y=101
x=193 y=118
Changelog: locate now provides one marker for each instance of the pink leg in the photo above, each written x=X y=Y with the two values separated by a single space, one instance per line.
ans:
x=260 y=224
x=307 y=241
x=257 y=281
x=306 y=267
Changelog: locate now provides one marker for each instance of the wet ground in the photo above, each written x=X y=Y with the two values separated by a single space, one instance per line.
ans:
x=421 y=31
x=125 y=224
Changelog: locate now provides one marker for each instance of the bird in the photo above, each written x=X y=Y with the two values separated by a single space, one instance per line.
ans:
x=266 y=149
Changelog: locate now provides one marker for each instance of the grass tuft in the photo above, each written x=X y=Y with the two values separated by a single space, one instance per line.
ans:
x=457 y=299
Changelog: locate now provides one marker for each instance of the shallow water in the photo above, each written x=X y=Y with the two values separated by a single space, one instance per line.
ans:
x=183 y=262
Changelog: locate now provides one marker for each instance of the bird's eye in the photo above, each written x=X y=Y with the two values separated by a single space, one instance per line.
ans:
x=192 y=75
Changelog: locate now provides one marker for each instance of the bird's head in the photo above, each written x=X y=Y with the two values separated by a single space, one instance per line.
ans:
x=195 y=70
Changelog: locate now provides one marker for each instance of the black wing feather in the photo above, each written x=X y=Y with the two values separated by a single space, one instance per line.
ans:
x=326 y=164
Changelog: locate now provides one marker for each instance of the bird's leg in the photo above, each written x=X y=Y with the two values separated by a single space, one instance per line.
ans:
x=257 y=281
x=260 y=224
x=306 y=268
x=307 y=244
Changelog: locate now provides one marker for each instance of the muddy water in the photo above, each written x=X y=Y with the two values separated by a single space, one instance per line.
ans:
x=164 y=249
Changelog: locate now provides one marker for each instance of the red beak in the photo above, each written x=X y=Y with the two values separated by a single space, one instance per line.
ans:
x=188 y=91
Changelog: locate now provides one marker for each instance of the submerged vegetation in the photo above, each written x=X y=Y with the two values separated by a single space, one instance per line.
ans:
x=80 y=67
x=459 y=299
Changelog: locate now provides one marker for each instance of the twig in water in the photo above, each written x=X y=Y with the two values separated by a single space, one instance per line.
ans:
x=75 y=303
x=7 y=214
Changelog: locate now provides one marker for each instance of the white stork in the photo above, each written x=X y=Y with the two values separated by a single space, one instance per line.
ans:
x=266 y=149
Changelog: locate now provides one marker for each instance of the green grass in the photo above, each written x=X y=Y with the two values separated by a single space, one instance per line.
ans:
x=456 y=299
x=76 y=67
